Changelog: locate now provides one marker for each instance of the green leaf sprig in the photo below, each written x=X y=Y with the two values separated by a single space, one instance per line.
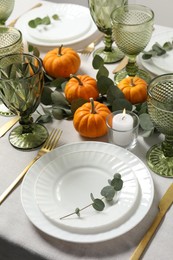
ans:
x=42 y=21
x=157 y=50
x=108 y=192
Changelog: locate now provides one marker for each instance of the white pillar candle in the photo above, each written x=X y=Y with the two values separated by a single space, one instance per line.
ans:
x=122 y=125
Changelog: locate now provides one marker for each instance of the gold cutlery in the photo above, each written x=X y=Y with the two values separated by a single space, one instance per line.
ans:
x=121 y=65
x=90 y=48
x=7 y=126
x=48 y=146
x=12 y=23
x=164 y=205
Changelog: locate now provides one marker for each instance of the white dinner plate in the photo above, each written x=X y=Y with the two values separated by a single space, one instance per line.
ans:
x=67 y=181
x=74 y=25
x=160 y=64
x=127 y=160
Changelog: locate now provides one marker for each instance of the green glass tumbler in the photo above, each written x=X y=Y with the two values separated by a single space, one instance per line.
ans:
x=100 y=12
x=160 y=109
x=21 y=86
x=6 y=8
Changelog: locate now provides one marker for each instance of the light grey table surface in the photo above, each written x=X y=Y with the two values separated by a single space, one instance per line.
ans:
x=21 y=240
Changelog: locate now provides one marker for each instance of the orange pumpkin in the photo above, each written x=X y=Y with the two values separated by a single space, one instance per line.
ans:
x=61 y=62
x=81 y=86
x=134 y=89
x=90 y=119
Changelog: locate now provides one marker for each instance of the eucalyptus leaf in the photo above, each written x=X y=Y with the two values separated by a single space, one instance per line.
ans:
x=42 y=119
x=113 y=93
x=103 y=71
x=46 y=96
x=57 y=113
x=77 y=211
x=58 y=82
x=145 y=122
x=108 y=192
x=103 y=84
x=117 y=184
x=120 y=104
x=97 y=62
x=92 y=196
x=55 y=17
x=168 y=46
x=75 y=104
x=98 y=204
x=58 y=98
x=46 y=20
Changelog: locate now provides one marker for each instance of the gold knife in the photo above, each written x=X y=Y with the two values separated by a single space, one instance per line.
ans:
x=7 y=126
x=164 y=205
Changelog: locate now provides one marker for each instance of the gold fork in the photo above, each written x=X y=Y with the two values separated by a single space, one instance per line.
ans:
x=48 y=146
x=90 y=48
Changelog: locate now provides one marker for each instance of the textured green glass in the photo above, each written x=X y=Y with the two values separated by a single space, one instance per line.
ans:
x=132 y=27
x=101 y=11
x=21 y=85
x=160 y=109
x=6 y=8
x=10 y=42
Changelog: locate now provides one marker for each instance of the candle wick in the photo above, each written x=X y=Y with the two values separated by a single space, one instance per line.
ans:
x=123 y=117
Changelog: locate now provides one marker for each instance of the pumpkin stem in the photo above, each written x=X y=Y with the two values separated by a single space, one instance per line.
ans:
x=93 y=111
x=59 y=50
x=131 y=82
x=79 y=81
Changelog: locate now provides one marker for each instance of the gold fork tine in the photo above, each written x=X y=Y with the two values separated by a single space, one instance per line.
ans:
x=48 y=146
x=54 y=136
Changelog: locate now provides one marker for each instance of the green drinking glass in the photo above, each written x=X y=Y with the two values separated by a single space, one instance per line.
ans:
x=21 y=86
x=6 y=8
x=160 y=109
x=100 y=12
x=10 y=42
x=132 y=27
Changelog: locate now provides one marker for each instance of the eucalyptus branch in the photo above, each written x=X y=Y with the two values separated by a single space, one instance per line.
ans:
x=108 y=193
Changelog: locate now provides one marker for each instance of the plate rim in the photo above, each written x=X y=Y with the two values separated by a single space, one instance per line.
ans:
x=39 y=220
x=21 y=25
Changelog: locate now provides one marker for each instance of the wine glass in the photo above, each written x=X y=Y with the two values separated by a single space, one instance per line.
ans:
x=6 y=8
x=100 y=11
x=10 y=42
x=160 y=109
x=21 y=85
x=132 y=27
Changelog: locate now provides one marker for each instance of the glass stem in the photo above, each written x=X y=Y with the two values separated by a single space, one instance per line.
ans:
x=131 y=67
x=26 y=123
x=167 y=146
x=108 y=43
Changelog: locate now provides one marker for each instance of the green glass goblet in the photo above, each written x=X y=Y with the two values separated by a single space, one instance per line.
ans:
x=6 y=8
x=100 y=12
x=10 y=42
x=132 y=27
x=160 y=109
x=21 y=85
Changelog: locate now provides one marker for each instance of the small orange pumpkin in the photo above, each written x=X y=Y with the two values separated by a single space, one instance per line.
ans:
x=81 y=86
x=134 y=89
x=90 y=119
x=61 y=62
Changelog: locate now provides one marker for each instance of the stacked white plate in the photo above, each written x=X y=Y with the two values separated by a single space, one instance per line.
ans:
x=74 y=25
x=63 y=179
